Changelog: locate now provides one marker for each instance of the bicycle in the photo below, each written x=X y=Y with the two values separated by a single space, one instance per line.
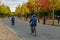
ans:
x=13 y=21
x=33 y=30
x=33 y=23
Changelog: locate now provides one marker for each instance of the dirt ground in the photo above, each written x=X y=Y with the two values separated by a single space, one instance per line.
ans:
x=6 y=34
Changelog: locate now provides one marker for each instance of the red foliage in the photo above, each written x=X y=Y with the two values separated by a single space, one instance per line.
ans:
x=44 y=4
x=30 y=6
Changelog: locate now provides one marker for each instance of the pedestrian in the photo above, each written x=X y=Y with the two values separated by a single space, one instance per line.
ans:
x=33 y=23
x=13 y=20
x=58 y=19
x=38 y=19
x=26 y=17
x=44 y=21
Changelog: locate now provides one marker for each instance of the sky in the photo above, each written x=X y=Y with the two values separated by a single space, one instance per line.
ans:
x=13 y=3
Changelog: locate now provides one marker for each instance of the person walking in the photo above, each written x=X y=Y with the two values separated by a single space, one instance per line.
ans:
x=44 y=20
x=58 y=19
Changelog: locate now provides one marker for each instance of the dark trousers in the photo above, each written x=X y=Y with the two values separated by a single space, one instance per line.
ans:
x=13 y=22
x=58 y=21
x=33 y=28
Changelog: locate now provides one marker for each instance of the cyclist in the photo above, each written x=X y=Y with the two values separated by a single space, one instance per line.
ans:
x=13 y=20
x=33 y=23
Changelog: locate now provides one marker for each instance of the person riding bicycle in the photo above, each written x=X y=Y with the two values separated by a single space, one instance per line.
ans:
x=33 y=23
x=13 y=20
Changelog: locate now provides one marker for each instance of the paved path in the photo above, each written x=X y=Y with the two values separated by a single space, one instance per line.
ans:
x=6 y=32
x=44 y=32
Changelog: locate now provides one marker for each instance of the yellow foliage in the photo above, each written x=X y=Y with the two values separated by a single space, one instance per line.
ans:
x=24 y=9
x=58 y=3
x=17 y=11
x=4 y=9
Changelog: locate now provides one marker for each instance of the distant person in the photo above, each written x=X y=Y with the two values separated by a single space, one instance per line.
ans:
x=13 y=20
x=44 y=21
x=38 y=19
x=58 y=19
x=26 y=17
x=33 y=23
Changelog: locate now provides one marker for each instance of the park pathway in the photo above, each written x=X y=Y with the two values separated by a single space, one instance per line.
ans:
x=44 y=32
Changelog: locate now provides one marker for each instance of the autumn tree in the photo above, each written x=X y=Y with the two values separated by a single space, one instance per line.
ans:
x=18 y=11
x=4 y=10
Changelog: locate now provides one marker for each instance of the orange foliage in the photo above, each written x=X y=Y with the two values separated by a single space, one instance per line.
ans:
x=44 y=4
